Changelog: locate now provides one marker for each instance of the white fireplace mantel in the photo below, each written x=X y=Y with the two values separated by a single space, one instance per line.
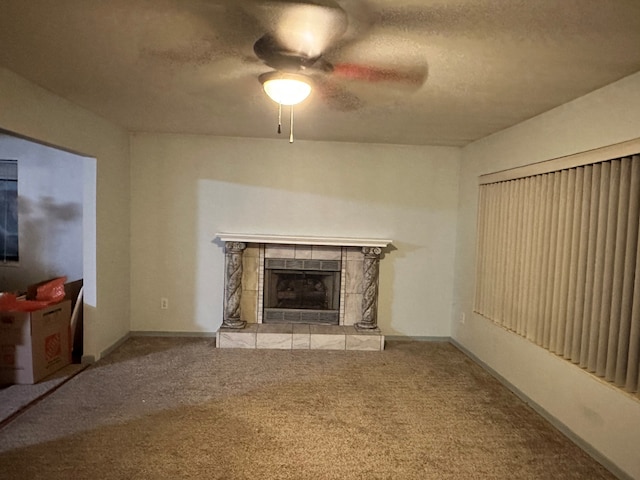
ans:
x=303 y=240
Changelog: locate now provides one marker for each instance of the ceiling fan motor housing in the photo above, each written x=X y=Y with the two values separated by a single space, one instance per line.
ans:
x=274 y=55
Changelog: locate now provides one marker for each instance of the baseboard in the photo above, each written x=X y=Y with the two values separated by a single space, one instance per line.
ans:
x=146 y=333
x=171 y=334
x=119 y=342
x=408 y=338
x=566 y=431
x=87 y=359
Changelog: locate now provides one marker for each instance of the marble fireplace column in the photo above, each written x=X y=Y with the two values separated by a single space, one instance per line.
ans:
x=233 y=285
x=370 y=288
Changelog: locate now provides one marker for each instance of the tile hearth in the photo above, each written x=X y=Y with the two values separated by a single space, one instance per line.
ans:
x=288 y=336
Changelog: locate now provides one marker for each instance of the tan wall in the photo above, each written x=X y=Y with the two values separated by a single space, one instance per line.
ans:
x=28 y=110
x=593 y=410
x=185 y=189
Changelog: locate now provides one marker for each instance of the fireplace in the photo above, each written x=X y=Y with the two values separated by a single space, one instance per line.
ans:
x=317 y=282
x=301 y=291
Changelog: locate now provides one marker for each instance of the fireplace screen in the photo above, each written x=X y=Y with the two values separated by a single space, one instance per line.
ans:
x=302 y=295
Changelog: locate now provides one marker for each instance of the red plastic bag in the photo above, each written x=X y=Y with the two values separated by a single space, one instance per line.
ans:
x=10 y=303
x=51 y=291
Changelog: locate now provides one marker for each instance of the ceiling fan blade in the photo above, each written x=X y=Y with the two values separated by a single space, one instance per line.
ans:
x=409 y=76
x=203 y=31
x=219 y=74
x=387 y=61
x=303 y=28
x=360 y=19
x=336 y=96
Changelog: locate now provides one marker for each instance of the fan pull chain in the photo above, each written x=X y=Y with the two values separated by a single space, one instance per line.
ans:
x=291 y=127
x=279 y=118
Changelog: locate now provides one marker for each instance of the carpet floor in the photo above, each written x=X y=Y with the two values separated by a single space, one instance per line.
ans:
x=177 y=408
x=15 y=398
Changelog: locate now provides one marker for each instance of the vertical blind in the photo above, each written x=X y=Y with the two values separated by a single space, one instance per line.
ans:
x=559 y=264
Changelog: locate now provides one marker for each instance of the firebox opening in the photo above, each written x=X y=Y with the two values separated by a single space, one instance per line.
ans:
x=306 y=290
x=302 y=296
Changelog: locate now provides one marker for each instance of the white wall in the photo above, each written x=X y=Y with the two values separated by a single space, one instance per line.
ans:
x=593 y=410
x=185 y=189
x=50 y=196
x=33 y=112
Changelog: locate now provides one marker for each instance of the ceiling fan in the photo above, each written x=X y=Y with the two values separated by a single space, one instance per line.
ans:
x=302 y=37
x=300 y=40
x=337 y=49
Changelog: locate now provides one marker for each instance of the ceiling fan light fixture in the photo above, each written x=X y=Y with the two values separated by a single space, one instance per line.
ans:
x=286 y=88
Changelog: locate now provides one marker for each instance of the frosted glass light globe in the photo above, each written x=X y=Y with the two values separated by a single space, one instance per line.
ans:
x=285 y=88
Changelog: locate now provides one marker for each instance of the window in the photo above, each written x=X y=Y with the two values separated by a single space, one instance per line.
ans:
x=559 y=262
x=9 y=211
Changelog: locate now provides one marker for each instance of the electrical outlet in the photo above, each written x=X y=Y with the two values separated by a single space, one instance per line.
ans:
x=164 y=303
x=462 y=318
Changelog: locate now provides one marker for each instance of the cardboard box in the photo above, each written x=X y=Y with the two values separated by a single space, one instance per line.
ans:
x=34 y=344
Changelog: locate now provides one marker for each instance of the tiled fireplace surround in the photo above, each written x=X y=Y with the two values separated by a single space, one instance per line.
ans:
x=243 y=325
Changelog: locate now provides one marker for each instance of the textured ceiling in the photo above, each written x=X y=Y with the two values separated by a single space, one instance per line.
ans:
x=187 y=66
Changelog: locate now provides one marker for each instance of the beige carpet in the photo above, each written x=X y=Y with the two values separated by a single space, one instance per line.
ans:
x=15 y=398
x=161 y=408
